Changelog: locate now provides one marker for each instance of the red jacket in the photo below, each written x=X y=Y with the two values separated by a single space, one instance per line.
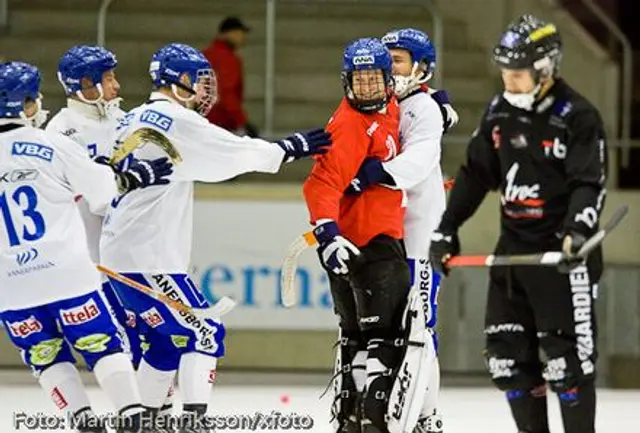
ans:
x=228 y=112
x=356 y=136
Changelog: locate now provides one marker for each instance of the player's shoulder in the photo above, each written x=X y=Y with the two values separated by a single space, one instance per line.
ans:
x=39 y=145
x=496 y=108
x=571 y=106
x=164 y=116
x=420 y=105
x=62 y=123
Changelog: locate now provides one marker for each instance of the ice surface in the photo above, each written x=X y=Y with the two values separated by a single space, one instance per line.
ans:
x=464 y=410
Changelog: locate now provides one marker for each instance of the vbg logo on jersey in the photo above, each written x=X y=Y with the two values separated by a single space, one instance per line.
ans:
x=154 y=118
x=27 y=256
x=36 y=150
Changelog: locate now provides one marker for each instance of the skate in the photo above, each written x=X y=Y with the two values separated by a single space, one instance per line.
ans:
x=430 y=424
x=85 y=421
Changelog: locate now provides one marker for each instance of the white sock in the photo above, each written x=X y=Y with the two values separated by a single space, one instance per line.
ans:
x=63 y=384
x=117 y=378
x=167 y=406
x=359 y=370
x=194 y=376
x=154 y=384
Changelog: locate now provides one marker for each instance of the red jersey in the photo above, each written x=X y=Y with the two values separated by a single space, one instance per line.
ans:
x=227 y=65
x=357 y=136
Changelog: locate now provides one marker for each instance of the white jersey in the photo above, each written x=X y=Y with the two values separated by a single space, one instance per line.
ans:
x=94 y=133
x=43 y=246
x=417 y=170
x=150 y=230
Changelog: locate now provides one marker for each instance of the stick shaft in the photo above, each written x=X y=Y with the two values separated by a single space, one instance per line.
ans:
x=147 y=290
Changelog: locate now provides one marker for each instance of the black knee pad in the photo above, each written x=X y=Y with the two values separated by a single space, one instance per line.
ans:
x=570 y=361
x=565 y=372
x=508 y=374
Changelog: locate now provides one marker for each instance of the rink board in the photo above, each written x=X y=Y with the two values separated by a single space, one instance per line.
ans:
x=242 y=231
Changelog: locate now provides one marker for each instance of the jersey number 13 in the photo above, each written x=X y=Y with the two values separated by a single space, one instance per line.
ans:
x=25 y=200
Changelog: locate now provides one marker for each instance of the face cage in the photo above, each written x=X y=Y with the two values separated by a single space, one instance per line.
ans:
x=367 y=105
x=206 y=89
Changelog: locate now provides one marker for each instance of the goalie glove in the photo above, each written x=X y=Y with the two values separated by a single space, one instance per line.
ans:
x=334 y=250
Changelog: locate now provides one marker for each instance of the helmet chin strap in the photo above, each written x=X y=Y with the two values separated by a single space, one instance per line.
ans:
x=105 y=108
x=407 y=84
x=174 y=90
x=37 y=119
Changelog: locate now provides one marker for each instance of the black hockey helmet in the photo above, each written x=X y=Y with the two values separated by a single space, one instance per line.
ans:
x=530 y=43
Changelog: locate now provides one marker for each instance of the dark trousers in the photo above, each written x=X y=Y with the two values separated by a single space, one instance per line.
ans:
x=535 y=307
x=370 y=304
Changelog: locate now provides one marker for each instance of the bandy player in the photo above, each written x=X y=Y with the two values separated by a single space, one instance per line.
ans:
x=50 y=298
x=425 y=115
x=148 y=236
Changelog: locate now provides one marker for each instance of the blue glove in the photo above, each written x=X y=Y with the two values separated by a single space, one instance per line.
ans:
x=303 y=144
x=143 y=172
x=369 y=173
x=449 y=115
x=140 y=173
x=335 y=251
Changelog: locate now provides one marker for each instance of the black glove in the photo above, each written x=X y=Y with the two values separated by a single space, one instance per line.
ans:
x=142 y=173
x=369 y=173
x=444 y=245
x=571 y=244
x=303 y=144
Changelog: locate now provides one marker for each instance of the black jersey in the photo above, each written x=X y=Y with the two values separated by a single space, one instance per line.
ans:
x=549 y=165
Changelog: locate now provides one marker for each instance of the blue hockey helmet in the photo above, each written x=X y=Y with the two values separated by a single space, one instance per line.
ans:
x=416 y=42
x=84 y=61
x=172 y=61
x=367 y=54
x=18 y=82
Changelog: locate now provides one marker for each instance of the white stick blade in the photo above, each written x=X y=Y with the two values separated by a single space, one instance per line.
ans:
x=288 y=275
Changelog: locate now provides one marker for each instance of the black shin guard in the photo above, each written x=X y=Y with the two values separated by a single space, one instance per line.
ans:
x=529 y=409
x=578 y=407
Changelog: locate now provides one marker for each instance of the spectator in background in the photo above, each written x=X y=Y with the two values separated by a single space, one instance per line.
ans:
x=228 y=112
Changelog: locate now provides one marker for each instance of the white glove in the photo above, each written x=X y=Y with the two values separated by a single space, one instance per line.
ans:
x=334 y=250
